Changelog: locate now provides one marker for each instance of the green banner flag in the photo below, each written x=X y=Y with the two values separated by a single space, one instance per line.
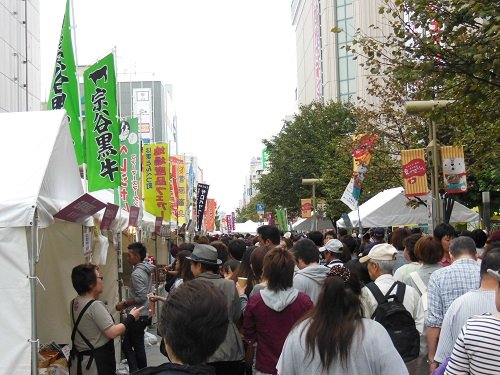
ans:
x=101 y=125
x=281 y=214
x=130 y=165
x=64 y=88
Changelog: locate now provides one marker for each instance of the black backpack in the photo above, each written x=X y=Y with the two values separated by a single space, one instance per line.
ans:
x=398 y=321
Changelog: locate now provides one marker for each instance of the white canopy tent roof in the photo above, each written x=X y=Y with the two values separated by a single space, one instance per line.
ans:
x=40 y=177
x=388 y=208
x=248 y=226
x=307 y=224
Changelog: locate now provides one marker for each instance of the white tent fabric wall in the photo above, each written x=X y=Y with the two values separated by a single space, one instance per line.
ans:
x=61 y=251
x=389 y=208
x=248 y=226
x=45 y=178
x=15 y=317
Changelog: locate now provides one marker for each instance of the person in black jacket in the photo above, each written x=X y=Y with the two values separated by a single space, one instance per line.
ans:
x=193 y=323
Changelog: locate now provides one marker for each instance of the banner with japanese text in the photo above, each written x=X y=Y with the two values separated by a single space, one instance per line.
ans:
x=175 y=162
x=210 y=215
x=306 y=207
x=101 y=124
x=156 y=180
x=130 y=168
x=182 y=203
x=281 y=214
x=414 y=170
x=201 y=201
x=455 y=178
x=361 y=156
x=269 y=218
x=228 y=223
x=64 y=88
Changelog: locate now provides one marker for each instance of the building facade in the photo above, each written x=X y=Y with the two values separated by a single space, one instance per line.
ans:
x=325 y=69
x=152 y=103
x=251 y=180
x=19 y=55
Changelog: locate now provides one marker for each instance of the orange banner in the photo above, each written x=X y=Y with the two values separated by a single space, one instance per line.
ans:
x=210 y=215
x=455 y=179
x=306 y=207
x=414 y=172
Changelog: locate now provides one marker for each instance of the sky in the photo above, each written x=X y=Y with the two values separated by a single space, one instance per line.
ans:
x=232 y=64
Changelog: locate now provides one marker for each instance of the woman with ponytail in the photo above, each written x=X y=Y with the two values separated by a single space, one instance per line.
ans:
x=334 y=338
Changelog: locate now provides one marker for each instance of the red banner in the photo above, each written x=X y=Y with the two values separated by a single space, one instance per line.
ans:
x=414 y=172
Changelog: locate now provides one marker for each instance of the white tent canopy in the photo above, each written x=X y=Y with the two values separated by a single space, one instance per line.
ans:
x=40 y=177
x=308 y=224
x=388 y=208
x=248 y=226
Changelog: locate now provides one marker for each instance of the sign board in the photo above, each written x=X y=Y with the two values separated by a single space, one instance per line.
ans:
x=80 y=209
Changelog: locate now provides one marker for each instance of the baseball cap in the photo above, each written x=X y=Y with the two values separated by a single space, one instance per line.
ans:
x=333 y=245
x=383 y=251
x=379 y=232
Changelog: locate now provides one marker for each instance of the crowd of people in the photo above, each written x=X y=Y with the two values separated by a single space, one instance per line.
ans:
x=399 y=302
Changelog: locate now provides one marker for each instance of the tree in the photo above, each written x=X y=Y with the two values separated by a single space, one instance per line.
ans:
x=446 y=49
x=249 y=212
x=298 y=151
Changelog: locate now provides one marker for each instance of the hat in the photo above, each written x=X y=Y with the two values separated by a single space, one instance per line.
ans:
x=379 y=232
x=205 y=254
x=383 y=251
x=495 y=274
x=333 y=245
x=494 y=237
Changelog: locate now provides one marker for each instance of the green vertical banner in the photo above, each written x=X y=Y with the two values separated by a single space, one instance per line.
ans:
x=64 y=88
x=101 y=125
x=282 y=219
x=130 y=166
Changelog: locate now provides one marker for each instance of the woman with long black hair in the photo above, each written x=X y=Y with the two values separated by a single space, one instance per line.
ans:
x=334 y=338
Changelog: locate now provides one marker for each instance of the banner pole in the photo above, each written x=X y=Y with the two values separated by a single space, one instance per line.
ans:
x=80 y=114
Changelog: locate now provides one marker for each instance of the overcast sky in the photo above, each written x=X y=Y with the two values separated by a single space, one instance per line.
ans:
x=232 y=64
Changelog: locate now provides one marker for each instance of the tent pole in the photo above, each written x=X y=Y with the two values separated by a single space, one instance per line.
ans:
x=33 y=280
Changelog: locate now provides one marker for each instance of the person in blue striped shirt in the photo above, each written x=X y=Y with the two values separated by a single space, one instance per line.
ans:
x=477 y=347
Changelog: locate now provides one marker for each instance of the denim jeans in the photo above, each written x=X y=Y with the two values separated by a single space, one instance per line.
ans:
x=133 y=345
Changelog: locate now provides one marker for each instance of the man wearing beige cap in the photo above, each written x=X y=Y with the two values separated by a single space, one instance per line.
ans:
x=380 y=261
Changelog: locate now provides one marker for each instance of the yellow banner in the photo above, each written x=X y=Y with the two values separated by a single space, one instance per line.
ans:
x=306 y=207
x=455 y=179
x=414 y=172
x=156 y=180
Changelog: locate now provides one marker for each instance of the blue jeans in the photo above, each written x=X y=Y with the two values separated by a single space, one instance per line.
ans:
x=133 y=345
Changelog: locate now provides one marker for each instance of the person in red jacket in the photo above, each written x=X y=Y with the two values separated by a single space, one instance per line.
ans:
x=271 y=313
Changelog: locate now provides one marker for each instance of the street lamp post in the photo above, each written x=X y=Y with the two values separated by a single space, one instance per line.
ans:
x=429 y=106
x=313 y=182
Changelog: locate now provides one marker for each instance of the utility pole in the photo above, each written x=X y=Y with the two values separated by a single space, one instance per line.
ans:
x=313 y=182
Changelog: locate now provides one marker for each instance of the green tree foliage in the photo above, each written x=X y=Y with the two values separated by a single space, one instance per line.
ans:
x=299 y=150
x=249 y=212
x=446 y=49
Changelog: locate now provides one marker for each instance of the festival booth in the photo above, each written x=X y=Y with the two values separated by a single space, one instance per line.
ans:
x=390 y=208
x=40 y=176
x=306 y=225
x=248 y=226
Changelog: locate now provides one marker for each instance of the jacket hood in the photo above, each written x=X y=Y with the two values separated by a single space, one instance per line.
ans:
x=279 y=300
x=315 y=273
x=146 y=267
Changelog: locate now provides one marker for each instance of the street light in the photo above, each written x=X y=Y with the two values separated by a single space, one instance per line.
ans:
x=313 y=182
x=428 y=106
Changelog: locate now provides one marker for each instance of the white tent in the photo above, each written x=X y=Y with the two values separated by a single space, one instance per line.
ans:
x=389 y=208
x=248 y=226
x=308 y=224
x=40 y=176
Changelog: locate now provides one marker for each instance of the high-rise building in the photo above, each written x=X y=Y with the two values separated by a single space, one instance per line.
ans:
x=255 y=173
x=19 y=55
x=325 y=69
x=152 y=103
